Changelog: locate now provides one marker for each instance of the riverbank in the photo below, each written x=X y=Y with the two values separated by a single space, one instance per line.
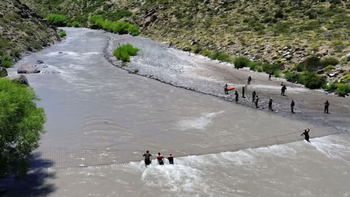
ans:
x=200 y=74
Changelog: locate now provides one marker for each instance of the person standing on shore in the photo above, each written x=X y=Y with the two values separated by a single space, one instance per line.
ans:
x=326 y=106
x=253 y=96
x=292 y=106
x=283 y=90
x=147 y=156
x=270 y=104
x=249 y=80
x=225 y=89
x=243 y=90
x=270 y=76
x=171 y=159
x=257 y=101
x=306 y=133
x=236 y=96
x=160 y=159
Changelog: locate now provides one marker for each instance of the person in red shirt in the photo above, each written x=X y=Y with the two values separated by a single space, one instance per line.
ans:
x=160 y=159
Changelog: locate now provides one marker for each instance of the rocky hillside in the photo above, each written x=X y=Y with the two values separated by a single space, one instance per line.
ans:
x=259 y=29
x=21 y=30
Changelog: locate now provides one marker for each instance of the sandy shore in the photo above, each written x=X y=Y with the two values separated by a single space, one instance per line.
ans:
x=200 y=74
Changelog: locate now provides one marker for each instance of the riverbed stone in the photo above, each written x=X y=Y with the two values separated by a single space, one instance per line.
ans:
x=27 y=69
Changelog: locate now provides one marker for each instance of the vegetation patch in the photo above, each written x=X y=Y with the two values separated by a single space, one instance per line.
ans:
x=6 y=61
x=57 y=19
x=123 y=52
x=120 y=27
x=62 y=33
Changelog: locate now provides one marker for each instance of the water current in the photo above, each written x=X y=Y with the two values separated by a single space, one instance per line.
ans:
x=92 y=105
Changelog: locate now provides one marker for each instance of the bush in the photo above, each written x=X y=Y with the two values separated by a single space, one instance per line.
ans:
x=123 y=52
x=21 y=126
x=134 y=30
x=57 y=19
x=270 y=68
x=329 y=61
x=343 y=89
x=329 y=68
x=241 y=62
x=312 y=80
x=206 y=53
x=6 y=61
x=62 y=33
x=221 y=56
x=291 y=76
x=120 y=27
x=276 y=73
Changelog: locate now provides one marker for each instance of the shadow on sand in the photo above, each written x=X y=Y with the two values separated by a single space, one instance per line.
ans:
x=35 y=183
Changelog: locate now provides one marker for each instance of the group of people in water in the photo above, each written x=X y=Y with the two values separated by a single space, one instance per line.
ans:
x=255 y=97
x=160 y=159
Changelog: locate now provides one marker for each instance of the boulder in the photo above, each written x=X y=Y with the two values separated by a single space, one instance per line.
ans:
x=39 y=61
x=27 y=69
x=23 y=80
x=3 y=72
x=288 y=57
x=324 y=52
x=348 y=56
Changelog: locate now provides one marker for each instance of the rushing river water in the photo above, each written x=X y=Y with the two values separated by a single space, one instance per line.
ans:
x=93 y=107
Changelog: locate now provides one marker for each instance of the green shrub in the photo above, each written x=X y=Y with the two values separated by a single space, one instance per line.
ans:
x=270 y=68
x=6 y=61
x=346 y=78
x=134 y=30
x=123 y=52
x=291 y=76
x=241 y=62
x=206 y=53
x=330 y=61
x=221 y=56
x=276 y=73
x=57 y=19
x=329 y=68
x=343 y=89
x=252 y=65
x=312 y=80
x=62 y=33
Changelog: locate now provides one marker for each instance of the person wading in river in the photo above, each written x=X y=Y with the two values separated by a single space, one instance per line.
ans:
x=171 y=159
x=160 y=159
x=306 y=134
x=225 y=89
x=236 y=96
x=257 y=101
x=249 y=80
x=147 y=156
x=243 y=90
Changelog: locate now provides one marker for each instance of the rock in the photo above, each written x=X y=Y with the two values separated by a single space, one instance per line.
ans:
x=23 y=80
x=324 y=52
x=149 y=20
x=288 y=57
x=1 y=15
x=348 y=56
x=39 y=61
x=27 y=69
x=285 y=48
x=3 y=72
x=274 y=57
x=333 y=74
x=60 y=52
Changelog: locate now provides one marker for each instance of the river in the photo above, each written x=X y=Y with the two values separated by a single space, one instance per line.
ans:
x=100 y=120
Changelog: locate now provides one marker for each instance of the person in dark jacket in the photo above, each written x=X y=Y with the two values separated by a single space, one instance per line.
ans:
x=292 y=104
x=225 y=89
x=171 y=159
x=283 y=90
x=249 y=80
x=236 y=96
x=243 y=91
x=270 y=104
x=253 y=96
x=257 y=101
x=306 y=134
x=326 y=106
x=147 y=156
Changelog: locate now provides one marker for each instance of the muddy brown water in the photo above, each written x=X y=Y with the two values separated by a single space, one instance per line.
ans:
x=102 y=119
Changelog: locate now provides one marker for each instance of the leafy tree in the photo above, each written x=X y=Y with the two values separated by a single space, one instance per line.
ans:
x=21 y=125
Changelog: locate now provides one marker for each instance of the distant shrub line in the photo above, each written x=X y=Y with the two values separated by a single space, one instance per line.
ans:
x=123 y=52
x=120 y=27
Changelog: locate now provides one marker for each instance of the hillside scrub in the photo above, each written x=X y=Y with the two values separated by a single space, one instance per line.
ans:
x=21 y=126
x=62 y=33
x=57 y=19
x=6 y=61
x=120 y=27
x=123 y=52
